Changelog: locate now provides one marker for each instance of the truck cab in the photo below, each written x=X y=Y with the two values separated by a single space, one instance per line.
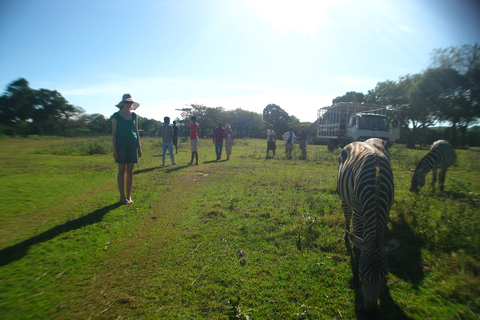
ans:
x=363 y=126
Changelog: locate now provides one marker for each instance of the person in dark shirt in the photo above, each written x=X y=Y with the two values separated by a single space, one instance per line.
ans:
x=218 y=140
x=303 y=141
x=194 y=126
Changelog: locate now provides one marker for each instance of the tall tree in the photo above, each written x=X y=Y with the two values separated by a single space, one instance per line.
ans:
x=350 y=96
x=246 y=124
x=402 y=106
x=442 y=89
x=273 y=114
x=17 y=104
x=50 y=108
x=466 y=61
x=208 y=118
x=149 y=126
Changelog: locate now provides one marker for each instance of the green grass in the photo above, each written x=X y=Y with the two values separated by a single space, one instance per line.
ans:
x=251 y=237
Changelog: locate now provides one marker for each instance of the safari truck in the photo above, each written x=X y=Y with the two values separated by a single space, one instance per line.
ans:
x=346 y=122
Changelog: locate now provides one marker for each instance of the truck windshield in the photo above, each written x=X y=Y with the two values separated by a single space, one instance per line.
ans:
x=373 y=122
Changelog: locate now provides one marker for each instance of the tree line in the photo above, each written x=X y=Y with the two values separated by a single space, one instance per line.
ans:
x=26 y=111
x=447 y=92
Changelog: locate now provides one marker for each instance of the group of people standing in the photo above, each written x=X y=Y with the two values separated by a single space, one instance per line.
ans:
x=289 y=138
x=127 y=148
x=219 y=135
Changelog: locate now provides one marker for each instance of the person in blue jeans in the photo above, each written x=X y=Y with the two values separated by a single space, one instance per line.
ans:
x=166 y=132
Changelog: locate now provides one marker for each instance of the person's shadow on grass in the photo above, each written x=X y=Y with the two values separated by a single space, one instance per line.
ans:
x=19 y=250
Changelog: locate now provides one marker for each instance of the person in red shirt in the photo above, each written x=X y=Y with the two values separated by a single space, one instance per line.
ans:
x=218 y=140
x=194 y=139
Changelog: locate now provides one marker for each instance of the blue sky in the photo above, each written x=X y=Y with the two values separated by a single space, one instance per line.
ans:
x=230 y=53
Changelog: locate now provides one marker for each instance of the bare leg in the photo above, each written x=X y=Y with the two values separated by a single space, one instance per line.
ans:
x=128 y=181
x=193 y=155
x=121 y=181
x=196 y=157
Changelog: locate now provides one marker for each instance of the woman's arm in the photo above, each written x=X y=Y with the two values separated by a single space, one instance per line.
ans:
x=114 y=138
x=138 y=138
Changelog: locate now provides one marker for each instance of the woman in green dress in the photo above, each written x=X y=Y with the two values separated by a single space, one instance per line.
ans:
x=126 y=145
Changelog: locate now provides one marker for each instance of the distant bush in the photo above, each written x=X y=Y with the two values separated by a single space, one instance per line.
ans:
x=83 y=147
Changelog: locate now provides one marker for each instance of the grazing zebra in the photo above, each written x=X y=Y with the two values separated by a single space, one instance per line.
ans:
x=441 y=156
x=365 y=185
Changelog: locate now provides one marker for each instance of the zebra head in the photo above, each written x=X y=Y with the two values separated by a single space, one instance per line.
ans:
x=373 y=269
x=418 y=180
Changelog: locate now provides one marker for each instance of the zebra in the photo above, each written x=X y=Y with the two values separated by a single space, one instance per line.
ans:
x=365 y=185
x=441 y=156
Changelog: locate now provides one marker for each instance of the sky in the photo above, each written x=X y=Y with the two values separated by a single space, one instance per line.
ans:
x=244 y=54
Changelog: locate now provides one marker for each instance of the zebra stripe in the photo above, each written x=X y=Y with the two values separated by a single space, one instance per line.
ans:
x=441 y=156
x=365 y=185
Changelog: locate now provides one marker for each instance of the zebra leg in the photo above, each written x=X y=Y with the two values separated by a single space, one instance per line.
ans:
x=441 y=178
x=434 y=178
x=347 y=211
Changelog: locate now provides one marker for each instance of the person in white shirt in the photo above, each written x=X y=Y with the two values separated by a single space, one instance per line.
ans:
x=271 y=140
x=289 y=137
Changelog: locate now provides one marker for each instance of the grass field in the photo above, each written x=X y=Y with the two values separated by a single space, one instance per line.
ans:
x=247 y=238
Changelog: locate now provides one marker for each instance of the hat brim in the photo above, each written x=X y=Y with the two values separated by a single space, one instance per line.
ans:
x=134 y=106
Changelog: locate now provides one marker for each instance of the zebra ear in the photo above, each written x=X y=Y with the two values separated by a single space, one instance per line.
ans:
x=357 y=242
x=391 y=245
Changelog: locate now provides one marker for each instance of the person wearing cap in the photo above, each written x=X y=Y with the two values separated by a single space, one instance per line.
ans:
x=271 y=140
x=126 y=145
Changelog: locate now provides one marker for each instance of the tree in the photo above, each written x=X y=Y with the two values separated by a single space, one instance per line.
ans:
x=442 y=90
x=466 y=61
x=246 y=124
x=403 y=106
x=149 y=126
x=208 y=118
x=273 y=114
x=351 y=96
x=50 y=108
x=99 y=124
x=76 y=121
x=17 y=104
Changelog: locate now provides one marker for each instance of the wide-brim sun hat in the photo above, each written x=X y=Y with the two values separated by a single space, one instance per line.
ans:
x=128 y=97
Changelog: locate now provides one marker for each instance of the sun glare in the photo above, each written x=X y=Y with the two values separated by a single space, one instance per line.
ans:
x=299 y=16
